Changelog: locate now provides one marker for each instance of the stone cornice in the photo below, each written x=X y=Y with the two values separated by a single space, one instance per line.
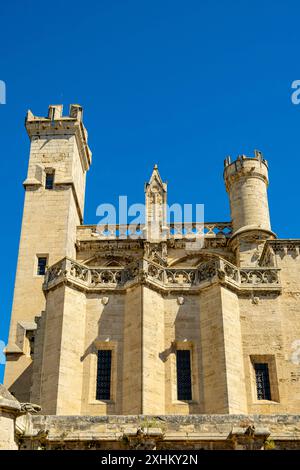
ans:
x=281 y=246
x=250 y=233
x=102 y=246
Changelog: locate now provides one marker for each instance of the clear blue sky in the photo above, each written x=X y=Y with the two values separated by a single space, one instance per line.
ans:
x=178 y=83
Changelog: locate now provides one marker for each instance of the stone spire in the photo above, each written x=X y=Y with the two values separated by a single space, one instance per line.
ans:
x=156 y=207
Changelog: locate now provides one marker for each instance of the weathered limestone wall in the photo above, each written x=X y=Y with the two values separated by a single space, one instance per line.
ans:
x=44 y=231
x=153 y=367
x=39 y=341
x=52 y=350
x=235 y=375
x=289 y=301
x=62 y=370
x=72 y=349
x=211 y=339
x=161 y=432
x=182 y=326
x=103 y=330
x=78 y=175
x=271 y=333
x=222 y=372
x=132 y=352
x=262 y=340
x=70 y=233
x=18 y=375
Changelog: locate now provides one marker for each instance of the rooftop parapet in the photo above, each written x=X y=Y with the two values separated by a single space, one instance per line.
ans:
x=55 y=112
x=175 y=231
x=258 y=155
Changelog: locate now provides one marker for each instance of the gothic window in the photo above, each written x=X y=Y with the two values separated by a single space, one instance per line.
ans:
x=49 y=182
x=262 y=381
x=103 y=375
x=41 y=265
x=184 y=382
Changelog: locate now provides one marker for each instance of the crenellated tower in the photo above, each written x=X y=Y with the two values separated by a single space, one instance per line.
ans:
x=53 y=208
x=246 y=181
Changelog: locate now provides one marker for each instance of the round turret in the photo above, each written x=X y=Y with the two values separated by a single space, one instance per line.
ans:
x=246 y=181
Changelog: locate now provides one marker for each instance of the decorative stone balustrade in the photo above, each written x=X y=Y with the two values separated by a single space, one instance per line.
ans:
x=88 y=277
x=174 y=231
x=167 y=278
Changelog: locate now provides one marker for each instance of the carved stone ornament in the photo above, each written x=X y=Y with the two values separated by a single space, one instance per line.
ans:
x=161 y=276
x=180 y=300
x=30 y=407
x=105 y=300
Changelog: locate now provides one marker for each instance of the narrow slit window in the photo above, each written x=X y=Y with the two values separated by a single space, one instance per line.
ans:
x=49 y=180
x=103 y=375
x=262 y=381
x=41 y=267
x=184 y=381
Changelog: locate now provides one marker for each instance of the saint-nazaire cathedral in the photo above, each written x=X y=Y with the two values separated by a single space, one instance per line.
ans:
x=134 y=340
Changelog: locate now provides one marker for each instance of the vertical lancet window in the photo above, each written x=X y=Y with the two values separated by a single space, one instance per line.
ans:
x=103 y=375
x=262 y=381
x=184 y=380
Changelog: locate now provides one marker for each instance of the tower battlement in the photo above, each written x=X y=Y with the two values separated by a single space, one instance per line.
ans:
x=255 y=166
x=258 y=155
x=55 y=113
x=57 y=124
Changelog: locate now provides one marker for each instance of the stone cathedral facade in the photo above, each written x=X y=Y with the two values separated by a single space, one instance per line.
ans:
x=142 y=341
